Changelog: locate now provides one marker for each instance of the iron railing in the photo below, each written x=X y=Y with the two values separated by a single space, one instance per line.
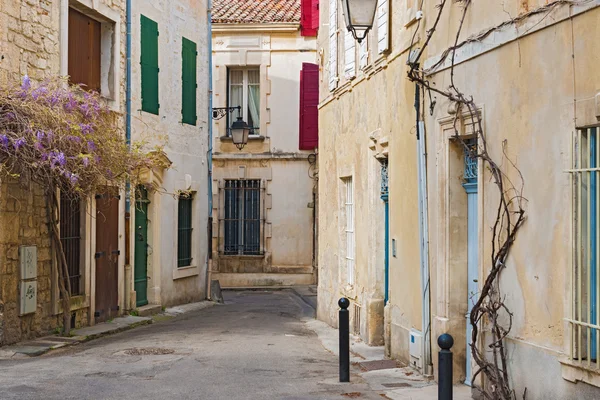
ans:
x=242 y=217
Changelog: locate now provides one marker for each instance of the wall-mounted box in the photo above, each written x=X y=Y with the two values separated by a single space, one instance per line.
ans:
x=28 y=297
x=414 y=348
x=28 y=262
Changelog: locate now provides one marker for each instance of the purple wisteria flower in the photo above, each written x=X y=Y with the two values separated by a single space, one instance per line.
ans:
x=11 y=116
x=4 y=140
x=86 y=129
x=26 y=83
x=38 y=92
x=86 y=161
x=19 y=143
x=91 y=145
x=72 y=138
x=70 y=104
x=40 y=135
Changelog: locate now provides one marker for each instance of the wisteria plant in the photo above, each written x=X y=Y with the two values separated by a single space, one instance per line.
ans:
x=66 y=140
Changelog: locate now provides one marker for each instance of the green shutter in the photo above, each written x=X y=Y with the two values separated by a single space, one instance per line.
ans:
x=149 y=62
x=188 y=82
x=184 y=232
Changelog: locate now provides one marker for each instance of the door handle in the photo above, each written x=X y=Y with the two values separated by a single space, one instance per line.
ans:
x=98 y=254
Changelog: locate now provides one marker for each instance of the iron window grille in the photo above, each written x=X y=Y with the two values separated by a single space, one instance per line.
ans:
x=70 y=238
x=585 y=302
x=242 y=217
x=349 y=229
x=184 y=231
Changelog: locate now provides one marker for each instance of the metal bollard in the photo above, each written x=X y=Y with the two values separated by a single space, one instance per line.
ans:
x=445 y=342
x=344 y=328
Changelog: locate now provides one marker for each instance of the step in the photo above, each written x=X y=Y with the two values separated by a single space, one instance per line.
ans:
x=149 y=309
x=289 y=269
x=247 y=280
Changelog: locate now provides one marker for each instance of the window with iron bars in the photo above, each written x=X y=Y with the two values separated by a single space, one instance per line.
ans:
x=184 y=231
x=70 y=237
x=586 y=279
x=242 y=220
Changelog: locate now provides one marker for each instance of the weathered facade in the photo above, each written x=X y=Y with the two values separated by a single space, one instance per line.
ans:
x=169 y=244
x=508 y=66
x=35 y=37
x=263 y=195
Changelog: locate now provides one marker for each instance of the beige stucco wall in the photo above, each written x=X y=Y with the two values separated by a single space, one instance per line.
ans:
x=286 y=175
x=533 y=93
x=186 y=147
x=369 y=116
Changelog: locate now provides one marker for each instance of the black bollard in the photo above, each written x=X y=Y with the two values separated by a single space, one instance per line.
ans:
x=344 y=328
x=445 y=342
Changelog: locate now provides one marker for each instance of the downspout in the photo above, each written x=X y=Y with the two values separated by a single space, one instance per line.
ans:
x=127 y=291
x=210 y=151
x=423 y=238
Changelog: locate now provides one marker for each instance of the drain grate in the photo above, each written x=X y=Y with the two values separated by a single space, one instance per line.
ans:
x=148 y=351
x=378 y=364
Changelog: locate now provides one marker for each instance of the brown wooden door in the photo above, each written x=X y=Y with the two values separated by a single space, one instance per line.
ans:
x=107 y=255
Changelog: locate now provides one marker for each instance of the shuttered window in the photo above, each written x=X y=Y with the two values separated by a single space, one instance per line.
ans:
x=70 y=238
x=242 y=217
x=333 y=78
x=244 y=91
x=84 y=50
x=309 y=17
x=309 y=101
x=363 y=53
x=349 y=228
x=189 y=85
x=149 y=63
x=383 y=17
x=184 y=231
x=349 y=56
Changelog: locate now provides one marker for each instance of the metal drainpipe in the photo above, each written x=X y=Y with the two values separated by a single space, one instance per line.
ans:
x=128 y=141
x=210 y=149
x=423 y=239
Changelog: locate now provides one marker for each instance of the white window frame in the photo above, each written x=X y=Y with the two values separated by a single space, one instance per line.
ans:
x=349 y=229
x=245 y=84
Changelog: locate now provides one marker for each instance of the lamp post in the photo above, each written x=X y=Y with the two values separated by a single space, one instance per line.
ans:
x=239 y=129
x=359 y=16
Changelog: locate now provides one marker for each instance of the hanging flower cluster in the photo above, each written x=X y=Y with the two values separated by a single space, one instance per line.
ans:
x=63 y=136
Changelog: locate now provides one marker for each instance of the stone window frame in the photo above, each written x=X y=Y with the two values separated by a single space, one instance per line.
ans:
x=110 y=59
x=193 y=187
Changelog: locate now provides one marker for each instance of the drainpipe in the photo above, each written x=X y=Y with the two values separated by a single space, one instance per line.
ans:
x=423 y=238
x=210 y=150
x=127 y=291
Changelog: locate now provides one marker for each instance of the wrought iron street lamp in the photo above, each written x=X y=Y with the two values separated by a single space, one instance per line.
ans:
x=239 y=129
x=239 y=133
x=359 y=16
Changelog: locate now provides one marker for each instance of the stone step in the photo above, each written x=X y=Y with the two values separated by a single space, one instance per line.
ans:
x=149 y=309
x=289 y=269
x=250 y=280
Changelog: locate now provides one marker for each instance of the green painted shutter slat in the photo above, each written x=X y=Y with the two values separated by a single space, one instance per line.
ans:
x=188 y=82
x=149 y=63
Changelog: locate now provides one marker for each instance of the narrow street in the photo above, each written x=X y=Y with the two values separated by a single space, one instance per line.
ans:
x=253 y=347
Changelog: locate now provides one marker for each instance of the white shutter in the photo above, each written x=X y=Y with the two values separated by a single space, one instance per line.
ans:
x=350 y=56
x=333 y=79
x=383 y=17
x=363 y=53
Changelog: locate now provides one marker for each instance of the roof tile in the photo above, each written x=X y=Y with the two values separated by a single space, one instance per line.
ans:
x=255 y=11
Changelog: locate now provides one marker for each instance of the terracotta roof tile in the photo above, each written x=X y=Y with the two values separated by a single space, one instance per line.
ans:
x=255 y=11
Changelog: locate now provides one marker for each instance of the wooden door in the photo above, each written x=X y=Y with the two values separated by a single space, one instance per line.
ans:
x=107 y=255
x=141 y=249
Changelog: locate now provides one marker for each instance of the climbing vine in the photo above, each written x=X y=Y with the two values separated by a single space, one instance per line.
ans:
x=66 y=140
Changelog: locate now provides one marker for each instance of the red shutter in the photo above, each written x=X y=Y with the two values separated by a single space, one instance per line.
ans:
x=314 y=6
x=307 y=17
x=309 y=101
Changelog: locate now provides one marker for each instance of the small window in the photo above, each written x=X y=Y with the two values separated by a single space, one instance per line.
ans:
x=70 y=237
x=350 y=240
x=84 y=50
x=149 y=64
x=244 y=91
x=184 y=234
x=242 y=217
x=188 y=82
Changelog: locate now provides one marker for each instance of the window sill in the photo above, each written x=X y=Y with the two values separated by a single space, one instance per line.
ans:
x=573 y=371
x=248 y=256
x=185 y=272
x=250 y=138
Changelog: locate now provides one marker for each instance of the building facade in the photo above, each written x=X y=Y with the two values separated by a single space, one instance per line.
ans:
x=431 y=234
x=264 y=194
x=169 y=103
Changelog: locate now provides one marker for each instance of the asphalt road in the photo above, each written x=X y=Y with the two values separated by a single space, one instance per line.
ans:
x=253 y=347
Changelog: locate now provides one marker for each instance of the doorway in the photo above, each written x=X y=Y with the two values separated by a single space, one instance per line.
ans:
x=107 y=255
x=141 y=247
